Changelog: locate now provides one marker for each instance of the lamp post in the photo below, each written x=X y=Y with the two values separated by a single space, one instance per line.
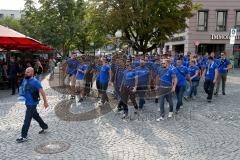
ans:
x=93 y=45
x=118 y=35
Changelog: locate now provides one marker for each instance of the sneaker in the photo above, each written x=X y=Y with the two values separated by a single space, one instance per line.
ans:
x=177 y=111
x=21 y=140
x=224 y=93
x=209 y=100
x=136 y=111
x=216 y=93
x=72 y=97
x=125 y=115
x=42 y=131
x=170 y=114
x=80 y=100
x=99 y=103
x=160 y=119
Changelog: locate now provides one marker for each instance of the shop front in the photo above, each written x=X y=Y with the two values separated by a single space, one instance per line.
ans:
x=236 y=54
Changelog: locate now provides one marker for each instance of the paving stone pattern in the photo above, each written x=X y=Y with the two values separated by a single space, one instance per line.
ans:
x=201 y=131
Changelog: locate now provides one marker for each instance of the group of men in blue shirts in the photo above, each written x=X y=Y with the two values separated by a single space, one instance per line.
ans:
x=133 y=78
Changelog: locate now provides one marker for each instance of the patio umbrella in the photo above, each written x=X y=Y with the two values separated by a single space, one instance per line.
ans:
x=13 y=40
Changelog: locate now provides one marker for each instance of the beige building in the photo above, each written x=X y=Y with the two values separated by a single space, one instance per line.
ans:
x=10 y=13
x=209 y=29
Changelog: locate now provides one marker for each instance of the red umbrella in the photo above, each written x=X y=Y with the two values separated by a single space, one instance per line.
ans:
x=13 y=40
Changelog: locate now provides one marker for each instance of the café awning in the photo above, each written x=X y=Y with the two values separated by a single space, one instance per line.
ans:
x=12 y=40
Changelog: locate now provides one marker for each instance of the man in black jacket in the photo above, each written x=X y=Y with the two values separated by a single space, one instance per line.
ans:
x=12 y=74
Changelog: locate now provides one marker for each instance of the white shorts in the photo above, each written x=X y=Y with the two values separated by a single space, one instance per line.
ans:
x=80 y=83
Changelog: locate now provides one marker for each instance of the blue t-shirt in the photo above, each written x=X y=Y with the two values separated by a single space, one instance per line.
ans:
x=143 y=75
x=181 y=73
x=156 y=68
x=186 y=63
x=80 y=75
x=166 y=77
x=204 y=61
x=129 y=78
x=222 y=65
x=149 y=65
x=210 y=71
x=192 y=72
x=136 y=63
x=72 y=66
x=104 y=75
x=30 y=86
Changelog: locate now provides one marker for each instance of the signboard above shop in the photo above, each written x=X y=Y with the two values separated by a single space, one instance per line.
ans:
x=223 y=37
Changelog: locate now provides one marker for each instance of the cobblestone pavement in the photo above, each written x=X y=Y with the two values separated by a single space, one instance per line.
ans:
x=201 y=131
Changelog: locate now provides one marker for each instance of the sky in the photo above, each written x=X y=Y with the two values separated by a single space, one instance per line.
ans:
x=12 y=4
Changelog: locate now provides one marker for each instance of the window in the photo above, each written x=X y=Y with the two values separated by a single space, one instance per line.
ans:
x=202 y=20
x=237 y=23
x=221 y=20
x=1 y=16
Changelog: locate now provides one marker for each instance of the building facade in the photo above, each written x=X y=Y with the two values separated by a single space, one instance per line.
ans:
x=209 y=30
x=10 y=13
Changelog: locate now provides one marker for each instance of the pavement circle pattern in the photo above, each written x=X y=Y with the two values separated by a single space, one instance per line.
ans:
x=52 y=147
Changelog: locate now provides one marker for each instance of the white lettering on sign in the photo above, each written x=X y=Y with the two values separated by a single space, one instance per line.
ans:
x=223 y=37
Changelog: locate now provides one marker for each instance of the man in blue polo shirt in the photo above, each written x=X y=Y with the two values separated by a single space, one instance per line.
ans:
x=80 y=82
x=142 y=82
x=223 y=67
x=104 y=78
x=72 y=64
x=210 y=77
x=30 y=89
x=127 y=85
x=166 y=78
x=182 y=76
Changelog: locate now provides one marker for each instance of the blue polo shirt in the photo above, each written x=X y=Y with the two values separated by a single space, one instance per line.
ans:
x=222 y=65
x=192 y=72
x=72 y=66
x=129 y=78
x=104 y=75
x=143 y=75
x=181 y=73
x=136 y=63
x=29 y=86
x=210 y=71
x=166 y=77
x=80 y=75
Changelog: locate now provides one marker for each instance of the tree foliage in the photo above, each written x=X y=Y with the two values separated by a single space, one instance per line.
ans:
x=145 y=23
x=11 y=23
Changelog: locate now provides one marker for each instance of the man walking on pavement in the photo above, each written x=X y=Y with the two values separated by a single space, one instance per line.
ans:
x=209 y=77
x=30 y=89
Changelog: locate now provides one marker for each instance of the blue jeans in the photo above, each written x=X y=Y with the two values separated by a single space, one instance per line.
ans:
x=31 y=112
x=103 y=91
x=188 y=89
x=169 y=99
x=141 y=91
x=194 y=88
x=179 y=93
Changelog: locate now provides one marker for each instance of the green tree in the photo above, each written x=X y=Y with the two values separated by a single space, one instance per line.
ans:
x=145 y=23
x=11 y=23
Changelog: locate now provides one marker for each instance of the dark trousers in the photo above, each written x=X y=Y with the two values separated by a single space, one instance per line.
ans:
x=126 y=93
x=87 y=89
x=31 y=112
x=169 y=99
x=179 y=93
x=194 y=88
x=141 y=91
x=208 y=87
x=103 y=92
x=221 y=78
x=13 y=84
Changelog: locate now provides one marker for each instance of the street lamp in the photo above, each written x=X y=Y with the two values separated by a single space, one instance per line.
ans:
x=118 y=35
x=93 y=45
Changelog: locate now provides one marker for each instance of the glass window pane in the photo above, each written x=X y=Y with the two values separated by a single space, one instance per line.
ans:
x=201 y=19
x=238 y=19
x=220 y=19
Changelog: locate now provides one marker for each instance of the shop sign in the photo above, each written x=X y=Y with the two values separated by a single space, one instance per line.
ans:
x=223 y=37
